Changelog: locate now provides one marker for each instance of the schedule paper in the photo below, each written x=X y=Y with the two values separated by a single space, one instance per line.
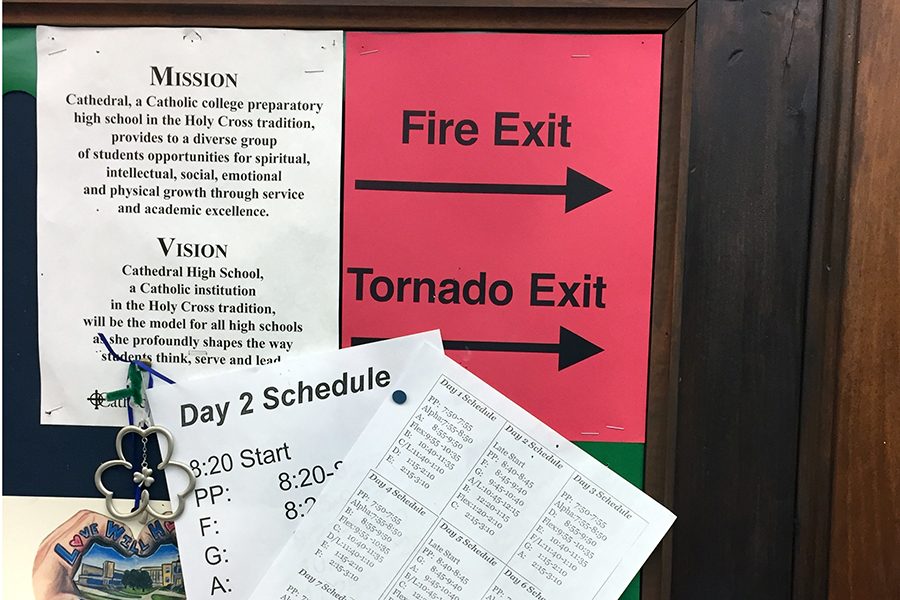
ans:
x=459 y=494
x=262 y=443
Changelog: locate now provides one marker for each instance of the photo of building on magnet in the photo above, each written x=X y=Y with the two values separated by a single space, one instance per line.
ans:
x=103 y=569
x=94 y=557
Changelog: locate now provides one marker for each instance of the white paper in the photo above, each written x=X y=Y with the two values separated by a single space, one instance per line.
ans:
x=215 y=105
x=459 y=494
x=247 y=503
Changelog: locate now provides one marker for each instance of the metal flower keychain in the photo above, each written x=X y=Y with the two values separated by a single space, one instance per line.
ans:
x=143 y=474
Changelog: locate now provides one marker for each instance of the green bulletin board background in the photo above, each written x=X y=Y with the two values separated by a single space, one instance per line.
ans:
x=19 y=60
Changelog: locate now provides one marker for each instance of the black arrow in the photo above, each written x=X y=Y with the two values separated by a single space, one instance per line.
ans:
x=571 y=348
x=578 y=189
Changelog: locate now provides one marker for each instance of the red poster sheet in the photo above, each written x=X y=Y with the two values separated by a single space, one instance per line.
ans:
x=502 y=188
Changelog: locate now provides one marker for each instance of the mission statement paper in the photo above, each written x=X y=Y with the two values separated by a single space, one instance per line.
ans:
x=188 y=204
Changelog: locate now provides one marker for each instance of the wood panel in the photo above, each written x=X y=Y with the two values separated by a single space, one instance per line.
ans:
x=749 y=193
x=824 y=288
x=865 y=535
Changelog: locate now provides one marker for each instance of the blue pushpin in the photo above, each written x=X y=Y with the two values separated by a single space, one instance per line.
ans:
x=399 y=396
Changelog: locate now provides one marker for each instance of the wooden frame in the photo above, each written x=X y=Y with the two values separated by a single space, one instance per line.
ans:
x=596 y=15
x=662 y=391
x=674 y=19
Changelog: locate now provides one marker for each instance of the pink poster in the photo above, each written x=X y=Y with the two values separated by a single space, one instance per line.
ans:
x=502 y=188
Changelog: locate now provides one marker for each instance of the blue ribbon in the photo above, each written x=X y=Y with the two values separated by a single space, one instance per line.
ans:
x=138 y=363
x=135 y=459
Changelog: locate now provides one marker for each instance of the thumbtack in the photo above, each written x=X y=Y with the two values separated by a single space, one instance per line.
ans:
x=399 y=397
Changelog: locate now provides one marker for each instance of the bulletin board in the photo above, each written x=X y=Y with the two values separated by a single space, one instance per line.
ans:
x=539 y=319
